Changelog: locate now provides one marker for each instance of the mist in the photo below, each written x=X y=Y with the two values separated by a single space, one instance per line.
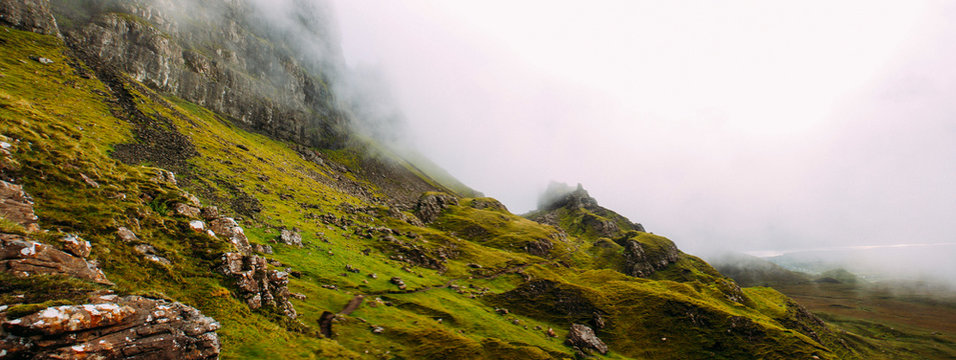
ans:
x=745 y=126
x=742 y=126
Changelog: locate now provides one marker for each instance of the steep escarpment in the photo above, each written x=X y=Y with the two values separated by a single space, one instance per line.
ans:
x=265 y=76
x=29 y=15
x=220 y=55
x=132 y=206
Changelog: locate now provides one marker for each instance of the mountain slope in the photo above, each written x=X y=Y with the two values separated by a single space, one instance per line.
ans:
x=331 y=251
x=749 y=270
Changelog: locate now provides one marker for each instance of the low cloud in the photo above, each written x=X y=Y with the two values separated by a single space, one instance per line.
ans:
x=744 y=126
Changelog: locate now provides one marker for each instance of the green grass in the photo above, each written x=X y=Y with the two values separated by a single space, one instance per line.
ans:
x=499 y=229
x=895 y=322
x=68 y=124
x=65 y=128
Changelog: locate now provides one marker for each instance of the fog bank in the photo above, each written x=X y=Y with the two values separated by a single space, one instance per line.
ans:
x=744 y=125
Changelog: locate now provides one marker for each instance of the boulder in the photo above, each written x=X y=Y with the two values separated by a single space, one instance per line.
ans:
x=290 y=237
x=70 y=318
x=126 y=234
x=197 y=225
x=17 y=206
x=112 y=327
x=228 y=228
x=165 y=176
x=210 y=213
x=258 y=285
x=584 y=338
x=398 y=282
x=23 y=257
x=263 y=249
x=187 y=210
x=77 y=246
x=431 y=205
x=150 y=253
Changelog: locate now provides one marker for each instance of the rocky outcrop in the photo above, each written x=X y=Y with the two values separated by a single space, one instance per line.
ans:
x=112 y=327
x=109 y=327
x=17 y=206
x=8 y=165
x=290 y=237
x=229 y=229
x=398 y=282
x=258 y=285
x=29 y=15
x=487 y=204
x=638 y=227
x=640 y=262
x=603 y=227
x=538 y=247
x=578 y=213
x=431 y=205
x=24 y=257
x=76 y=245
x=221 y=55
x=187 y=211
x=562 y=196
x=583 y=337
x=263 y=249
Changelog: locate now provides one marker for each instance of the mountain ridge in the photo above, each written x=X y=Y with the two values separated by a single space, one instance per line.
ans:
x=299 y=238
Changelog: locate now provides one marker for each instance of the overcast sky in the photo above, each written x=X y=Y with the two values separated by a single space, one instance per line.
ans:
x=745 y=125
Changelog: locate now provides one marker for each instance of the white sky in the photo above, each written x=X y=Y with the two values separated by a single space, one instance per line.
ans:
x=744 y=125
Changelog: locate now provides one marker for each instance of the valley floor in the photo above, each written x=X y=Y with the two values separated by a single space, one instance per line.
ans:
x=905 y=323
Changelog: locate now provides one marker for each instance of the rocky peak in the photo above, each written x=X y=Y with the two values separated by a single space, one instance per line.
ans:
x=594 y=218
x=561 y=195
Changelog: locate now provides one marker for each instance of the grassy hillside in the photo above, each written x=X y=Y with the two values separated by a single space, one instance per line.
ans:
x=899 y=320
x=479 y=282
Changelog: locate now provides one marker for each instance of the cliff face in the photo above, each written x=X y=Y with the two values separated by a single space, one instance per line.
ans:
x=218 y=54
x=237 y=59
x=29 y=15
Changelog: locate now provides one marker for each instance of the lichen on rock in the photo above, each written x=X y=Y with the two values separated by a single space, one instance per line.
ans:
x=113 y=327
x=24 y=257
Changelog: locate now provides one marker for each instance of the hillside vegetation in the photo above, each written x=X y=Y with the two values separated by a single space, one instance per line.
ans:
x=899 y=319
x=344 y=251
